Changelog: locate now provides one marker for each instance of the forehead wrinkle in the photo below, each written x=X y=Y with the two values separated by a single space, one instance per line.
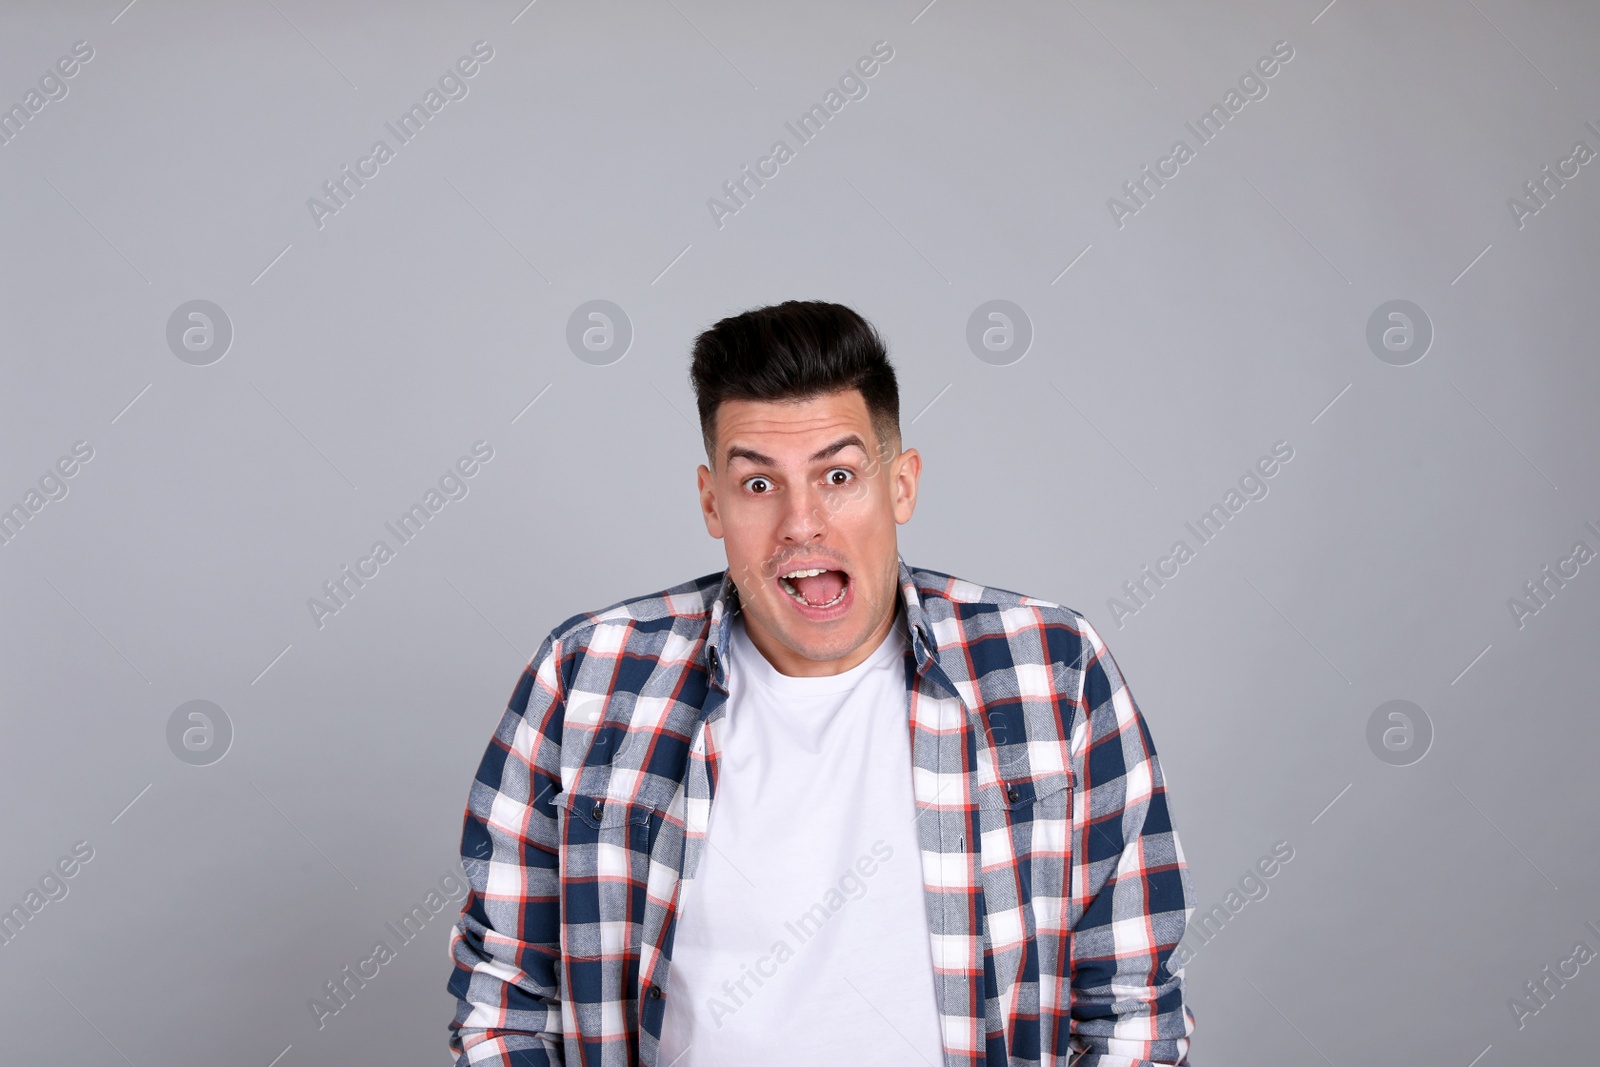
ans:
x=850 y=437
x=845 y=443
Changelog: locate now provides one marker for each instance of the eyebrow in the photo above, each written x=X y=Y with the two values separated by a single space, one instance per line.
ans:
x=740 y=452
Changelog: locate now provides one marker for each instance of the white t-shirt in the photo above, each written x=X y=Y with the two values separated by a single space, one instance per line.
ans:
x=803 y=937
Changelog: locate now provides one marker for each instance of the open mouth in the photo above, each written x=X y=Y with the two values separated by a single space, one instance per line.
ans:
x=815 y=587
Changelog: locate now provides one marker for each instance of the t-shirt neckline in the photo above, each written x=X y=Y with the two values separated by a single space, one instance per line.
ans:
x=747 y=657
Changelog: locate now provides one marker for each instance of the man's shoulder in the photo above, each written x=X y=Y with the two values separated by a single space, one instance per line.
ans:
x=1001 y=642
x=949 y=597
x=687 y=603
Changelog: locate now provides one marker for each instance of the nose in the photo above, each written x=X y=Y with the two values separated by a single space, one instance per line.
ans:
x=804 y=520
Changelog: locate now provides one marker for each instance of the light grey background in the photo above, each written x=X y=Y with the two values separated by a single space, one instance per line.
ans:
x=369 y=354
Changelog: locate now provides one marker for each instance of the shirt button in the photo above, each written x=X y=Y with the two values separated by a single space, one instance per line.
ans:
x=1012 y=794
x=599 y=809
x=655 y=992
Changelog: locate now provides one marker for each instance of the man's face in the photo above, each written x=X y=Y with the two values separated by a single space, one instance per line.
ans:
x=806 y=486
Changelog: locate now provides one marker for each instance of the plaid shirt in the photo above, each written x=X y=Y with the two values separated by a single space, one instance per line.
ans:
x=1055 y=885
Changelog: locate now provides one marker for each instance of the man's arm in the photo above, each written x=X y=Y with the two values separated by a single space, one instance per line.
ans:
x=506 y=944
x=1127 y=1008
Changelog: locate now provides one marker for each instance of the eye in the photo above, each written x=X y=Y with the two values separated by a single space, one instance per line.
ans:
x=757 y=479
x=846 y=471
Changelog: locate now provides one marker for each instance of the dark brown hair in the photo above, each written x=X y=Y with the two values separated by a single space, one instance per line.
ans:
x=795 y=350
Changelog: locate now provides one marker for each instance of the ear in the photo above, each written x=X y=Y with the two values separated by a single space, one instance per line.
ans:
x=907 y=470
x=706 y=482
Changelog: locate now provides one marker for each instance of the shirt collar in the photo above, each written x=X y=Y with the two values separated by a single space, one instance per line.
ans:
x=726 y=605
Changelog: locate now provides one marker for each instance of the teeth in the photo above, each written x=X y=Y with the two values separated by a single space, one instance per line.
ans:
x=792 y=591
x=813 y=572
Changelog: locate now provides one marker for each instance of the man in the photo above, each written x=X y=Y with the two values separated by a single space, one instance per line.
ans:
x=820 y=806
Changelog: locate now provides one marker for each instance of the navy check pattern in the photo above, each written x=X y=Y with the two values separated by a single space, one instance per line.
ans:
x=1055 y=885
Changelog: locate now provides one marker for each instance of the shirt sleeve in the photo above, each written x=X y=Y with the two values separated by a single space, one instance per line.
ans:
x=506 y=944
x=1130 y=877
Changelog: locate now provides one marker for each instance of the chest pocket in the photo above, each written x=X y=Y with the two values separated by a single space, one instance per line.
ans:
x=1039 y=816
x=605 y=868
x=1039 y=812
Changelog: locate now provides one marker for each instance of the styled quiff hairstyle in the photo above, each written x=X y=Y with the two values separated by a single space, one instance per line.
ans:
x=796 y=350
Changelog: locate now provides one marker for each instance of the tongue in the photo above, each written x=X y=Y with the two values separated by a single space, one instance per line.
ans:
x=820 y=589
